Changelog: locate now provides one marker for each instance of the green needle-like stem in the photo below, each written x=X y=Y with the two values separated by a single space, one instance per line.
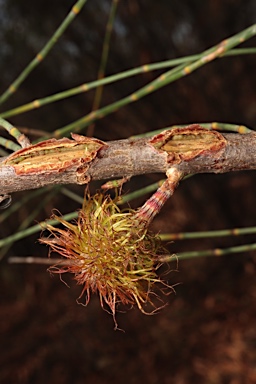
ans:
x=111 y=79
x=43 y=53
x=34 y=229
x=208 y=234
x=103 y=62
x=211 y=252
x=166 y=78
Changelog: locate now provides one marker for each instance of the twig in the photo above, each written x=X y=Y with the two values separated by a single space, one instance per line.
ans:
x=161 y=81
x=211 y=252
x=103 y=62
x=35 y=104
x=78 y=162
x=14 y=132
x=35 y=260
x=43 y=53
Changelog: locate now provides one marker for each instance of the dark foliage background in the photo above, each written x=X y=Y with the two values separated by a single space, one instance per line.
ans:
x=207 y=332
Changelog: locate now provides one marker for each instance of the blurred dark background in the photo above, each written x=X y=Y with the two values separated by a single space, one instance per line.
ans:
x=207 y=333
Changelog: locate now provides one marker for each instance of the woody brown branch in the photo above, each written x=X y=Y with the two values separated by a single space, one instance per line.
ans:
x=122 y=158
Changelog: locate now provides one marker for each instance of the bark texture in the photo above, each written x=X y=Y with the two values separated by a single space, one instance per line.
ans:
x=124 y=158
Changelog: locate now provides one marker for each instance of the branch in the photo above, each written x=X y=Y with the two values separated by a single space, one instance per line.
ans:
x=190 y=150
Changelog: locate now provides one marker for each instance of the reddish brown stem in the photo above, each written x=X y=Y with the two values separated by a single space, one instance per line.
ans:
x=154 y=204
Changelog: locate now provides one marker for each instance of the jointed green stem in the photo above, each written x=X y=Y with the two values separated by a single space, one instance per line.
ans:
x=111 y=79
x=215 y=126
x=166 y=78
x=21 y=202
x=140 y=192
x=8 y=144
x=103 y=63
x=123 y=199
x=208 y=234
x=211 y=252
x=34 y=229
x=165 y=259
x=30 y=218
x=72 y=195
x=43 y=53
x=14 y=132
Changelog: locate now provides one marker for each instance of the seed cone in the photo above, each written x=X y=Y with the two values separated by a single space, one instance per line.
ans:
x=109 y=252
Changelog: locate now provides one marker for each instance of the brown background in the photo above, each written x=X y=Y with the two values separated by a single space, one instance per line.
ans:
x=207 y=332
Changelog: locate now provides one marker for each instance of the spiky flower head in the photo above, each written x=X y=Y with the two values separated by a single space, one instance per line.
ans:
x=110 y=252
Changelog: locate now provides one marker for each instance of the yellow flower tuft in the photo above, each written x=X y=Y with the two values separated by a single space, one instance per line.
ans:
x=109 y=252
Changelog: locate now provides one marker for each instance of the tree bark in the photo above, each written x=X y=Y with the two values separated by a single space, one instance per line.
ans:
x=126 y=158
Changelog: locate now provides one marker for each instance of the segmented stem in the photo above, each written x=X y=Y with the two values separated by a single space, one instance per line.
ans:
x=43 y=53
x=164 y=79
x=154 y=204
x=224 y=127
x=111 y=79
x=208 y=234
x=103 y=62
x=14 y=132
x=211 y=252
